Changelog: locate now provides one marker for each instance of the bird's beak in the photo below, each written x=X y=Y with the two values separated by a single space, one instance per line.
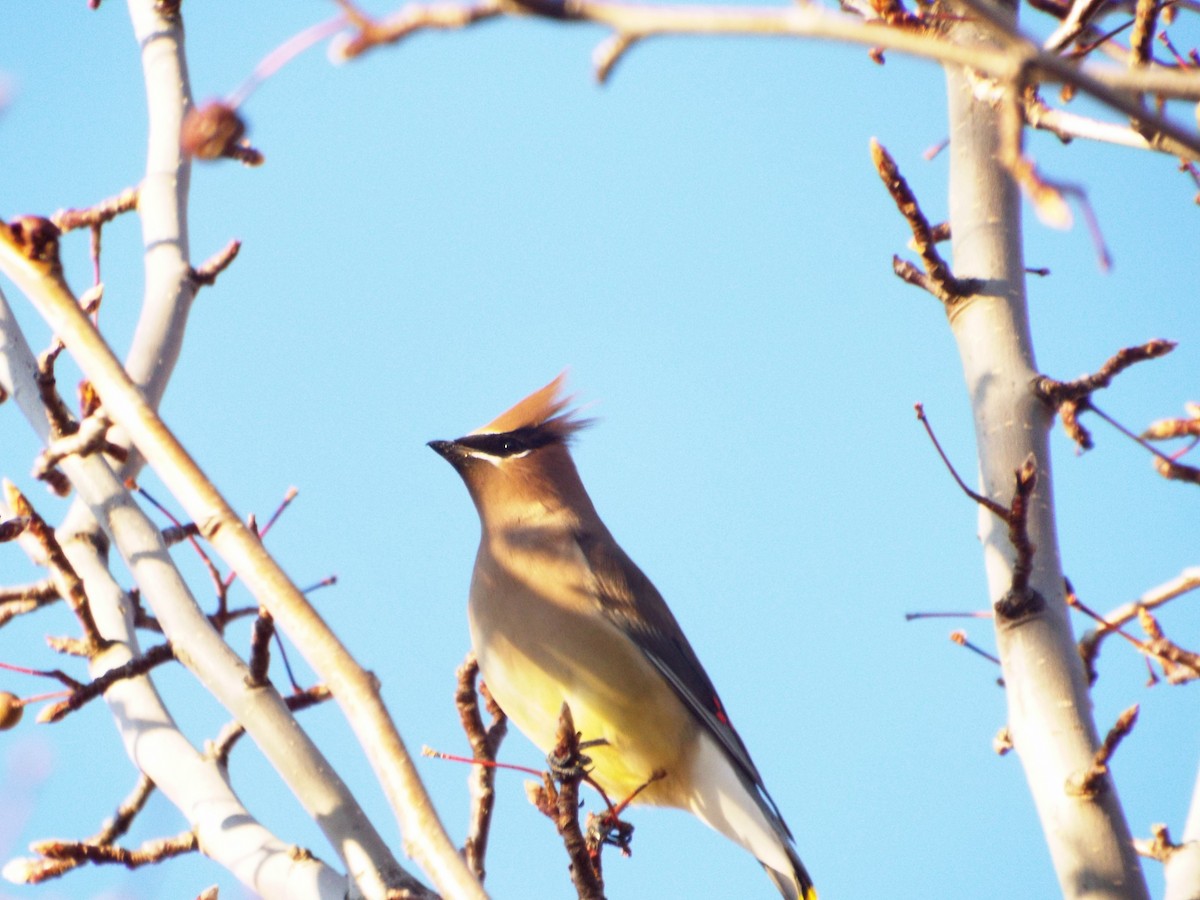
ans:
x=444 y=449
x=452 y=453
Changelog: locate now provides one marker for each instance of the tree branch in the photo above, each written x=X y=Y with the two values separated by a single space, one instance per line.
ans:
x=485 y=742
x=229 y=833
x=39 y=276
x=1049 y=710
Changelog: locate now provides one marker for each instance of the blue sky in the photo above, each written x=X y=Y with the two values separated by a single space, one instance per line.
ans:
x=442 y=227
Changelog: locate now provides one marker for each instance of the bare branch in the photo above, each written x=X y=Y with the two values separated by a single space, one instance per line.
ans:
x=1073 y=24
x=139 y=665
x=147 y=854
x=1145 y=18
x=355 y=689
x=208 y=271
x=100 y=214
x=39 y=870
x=1090 y=782
x=1175 y=471
x=938 y=279
x=1021 y=600
x=484 y=741
x=1179 y=665
x=1070 y=398
x=1161 y=847
x=25 y=598
x=69 y=583
x=91 y=437
x=561 y=805
x=370 y=33
x=960 y=638
x=1089 y=644
x=1068 y=126
x=220 y=748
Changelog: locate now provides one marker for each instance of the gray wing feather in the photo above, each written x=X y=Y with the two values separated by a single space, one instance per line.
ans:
x=628 y=598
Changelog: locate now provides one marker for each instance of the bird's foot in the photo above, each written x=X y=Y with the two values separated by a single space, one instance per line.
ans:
x=574 y=763
x=606 y=828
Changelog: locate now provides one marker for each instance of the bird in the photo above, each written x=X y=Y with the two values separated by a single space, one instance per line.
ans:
x=558 y=612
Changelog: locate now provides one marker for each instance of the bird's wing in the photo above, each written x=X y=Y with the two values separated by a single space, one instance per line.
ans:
x=628 y=599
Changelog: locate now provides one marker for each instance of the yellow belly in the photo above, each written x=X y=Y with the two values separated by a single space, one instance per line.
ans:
x=535 y=652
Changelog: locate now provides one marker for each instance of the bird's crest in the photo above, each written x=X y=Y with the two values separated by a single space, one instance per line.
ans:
x=546 y=409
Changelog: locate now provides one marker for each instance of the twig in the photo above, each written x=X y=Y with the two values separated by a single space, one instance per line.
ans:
x=1116 y=89
x=1049 y=198
x=1191 y=61
x=1188 y=580
x=192 y=535
x=1021 y=599
x=1168 y=429
x=1018 y=511
x=1090 y=782
x=35 y=871
x=991 y=505
x=1068 y=125
x=137 y=666
x=1121 y=93
x=91 y=437
x=609 y=52
x=960 y=638
x=561 y=804
x=1070 y=398
x=1176 y=471
x=206 y=274
x=1160 y=847
x=70 y=584
x=260 y=646
x=484 y=741
x=176 y=534
x=95 y=218
x=937 y=278
x=62 y=423
x=1179 y=665
x=1090 y=643
x=98 y=214
x=1165 y=465
x=284 y=54
x=147 y=854
x=371 y=33
x=25 y=598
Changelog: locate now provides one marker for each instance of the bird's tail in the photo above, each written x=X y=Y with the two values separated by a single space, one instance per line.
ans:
x=730 y=800
x=796 y=884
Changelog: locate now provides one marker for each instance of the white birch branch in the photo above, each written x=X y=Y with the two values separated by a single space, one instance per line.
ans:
x=355 y=690
x=226 y=830
x=169 y=290
x=162 y=204
x=1049 y=708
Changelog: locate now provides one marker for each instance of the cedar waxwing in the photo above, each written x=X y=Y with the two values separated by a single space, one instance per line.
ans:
x=559 y=613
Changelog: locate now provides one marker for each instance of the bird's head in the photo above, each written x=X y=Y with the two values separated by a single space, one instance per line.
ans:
x=520 y=461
